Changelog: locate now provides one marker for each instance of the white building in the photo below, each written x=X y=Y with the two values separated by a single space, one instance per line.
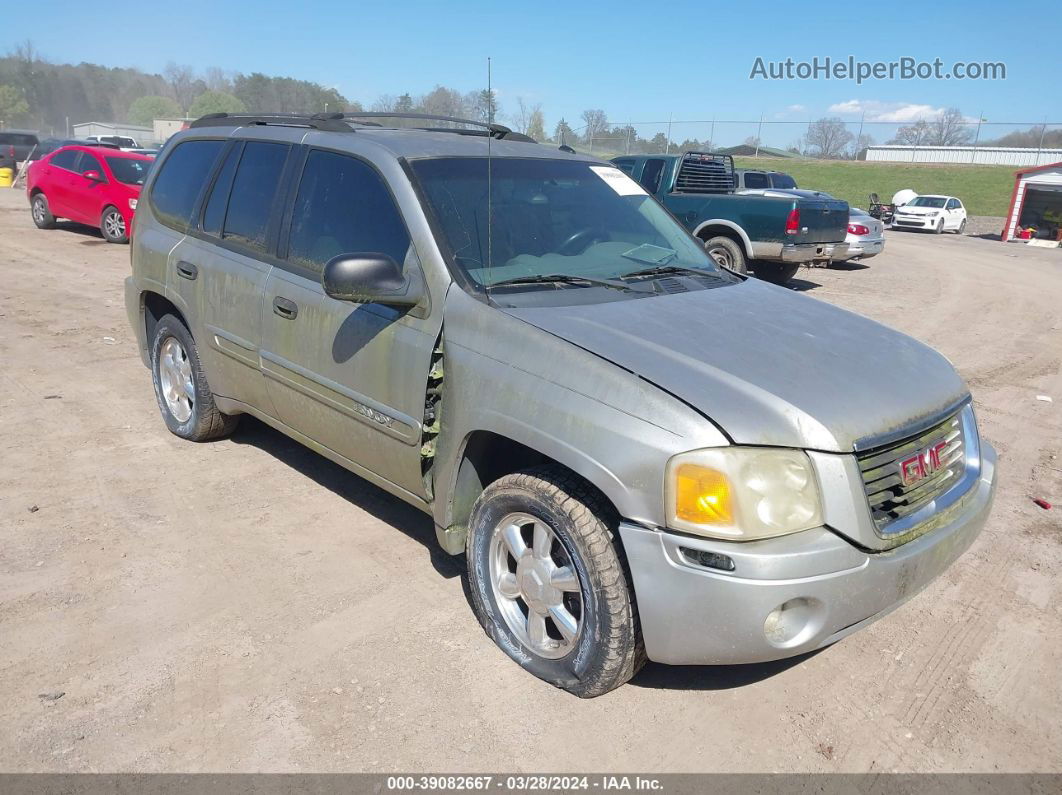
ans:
x=142 y=135
x=164 y=128
x=979 y=155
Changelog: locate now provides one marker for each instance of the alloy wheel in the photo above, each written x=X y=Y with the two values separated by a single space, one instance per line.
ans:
x=175 y=378
x=536 y=585
x=114 y=225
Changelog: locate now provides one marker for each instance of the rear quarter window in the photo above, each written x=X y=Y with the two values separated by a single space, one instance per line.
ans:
x=180 y=180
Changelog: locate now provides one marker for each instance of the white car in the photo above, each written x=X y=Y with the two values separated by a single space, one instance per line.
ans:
x=123 y=142
x=866 y=235
x=935 y=213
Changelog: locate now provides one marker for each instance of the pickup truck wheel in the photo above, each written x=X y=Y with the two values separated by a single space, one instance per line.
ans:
x=549 y=583
x=776 y=272
x=42 y=214
x=726 y=253
x=181 y=388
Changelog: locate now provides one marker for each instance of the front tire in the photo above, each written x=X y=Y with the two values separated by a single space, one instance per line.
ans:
x=41 y=212
x=181 y=387
x=940 y=227
x=112 y=225
x=549 y=582
x=776 y=272
x=726 y=253
x=962 y=227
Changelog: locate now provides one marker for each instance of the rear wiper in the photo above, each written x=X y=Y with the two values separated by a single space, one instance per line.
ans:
x=565 y=278
x=671 y=269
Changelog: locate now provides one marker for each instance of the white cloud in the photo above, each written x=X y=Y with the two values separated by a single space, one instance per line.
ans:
x=796 y=109
x=899 y=112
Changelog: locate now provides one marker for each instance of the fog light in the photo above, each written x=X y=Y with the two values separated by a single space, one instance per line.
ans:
x=793 y=622
x=710 y=560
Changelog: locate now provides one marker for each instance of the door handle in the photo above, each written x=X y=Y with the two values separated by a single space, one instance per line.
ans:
x=285 y=308
x=187 y=270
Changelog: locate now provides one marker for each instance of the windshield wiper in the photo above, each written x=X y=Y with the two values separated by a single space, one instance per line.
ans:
x=564 y=278
x=672 y=269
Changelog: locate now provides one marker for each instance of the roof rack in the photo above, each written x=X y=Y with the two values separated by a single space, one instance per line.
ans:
x=340 y=122
x=499 y=131
x=328 y=122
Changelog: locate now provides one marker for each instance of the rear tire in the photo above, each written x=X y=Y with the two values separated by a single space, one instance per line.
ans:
x=112 y=225
x=542 y=552
x=181 y=387
x=41 y=212
x=776 y=272
x=726 y=253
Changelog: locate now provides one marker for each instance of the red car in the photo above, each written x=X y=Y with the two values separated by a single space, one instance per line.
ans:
x=90 y=185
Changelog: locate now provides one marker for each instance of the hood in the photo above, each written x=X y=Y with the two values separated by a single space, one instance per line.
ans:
x=769 y=366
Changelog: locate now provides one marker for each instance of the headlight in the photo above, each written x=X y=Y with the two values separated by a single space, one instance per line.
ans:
x=132 y=204
x=742 y=493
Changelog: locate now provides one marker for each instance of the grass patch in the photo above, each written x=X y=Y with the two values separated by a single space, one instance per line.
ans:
x=985 y=190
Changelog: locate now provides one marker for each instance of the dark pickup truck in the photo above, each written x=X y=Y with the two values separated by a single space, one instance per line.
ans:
x=770 y=235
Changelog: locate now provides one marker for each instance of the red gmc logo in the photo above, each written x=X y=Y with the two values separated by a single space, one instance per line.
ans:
x=922 y=464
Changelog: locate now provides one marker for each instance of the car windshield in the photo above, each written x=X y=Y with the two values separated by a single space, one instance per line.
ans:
x=128 y=170
x=551 y=217
x=928 y=201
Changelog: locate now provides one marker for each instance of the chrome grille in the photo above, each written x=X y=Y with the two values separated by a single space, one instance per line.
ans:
x=889 y=498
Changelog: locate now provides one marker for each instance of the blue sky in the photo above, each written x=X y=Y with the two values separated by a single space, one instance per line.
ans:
x=637 y=61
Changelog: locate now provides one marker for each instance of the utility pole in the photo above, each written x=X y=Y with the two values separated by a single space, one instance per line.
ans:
x=977 y=137
x=859 y=135
x=711 y=135
x=1039 y=146
x=628 y=137
x=759 y=132
x=667 y=147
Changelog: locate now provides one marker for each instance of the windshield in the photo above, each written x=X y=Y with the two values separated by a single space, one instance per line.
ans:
x=928 y=201
x=128 y=170
x=551 y=217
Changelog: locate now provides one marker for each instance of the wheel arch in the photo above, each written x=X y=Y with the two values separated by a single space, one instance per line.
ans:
x=153 y=307
x=486 y=456
x=720 y=227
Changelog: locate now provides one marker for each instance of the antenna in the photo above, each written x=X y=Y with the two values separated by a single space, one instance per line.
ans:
x=490 y=208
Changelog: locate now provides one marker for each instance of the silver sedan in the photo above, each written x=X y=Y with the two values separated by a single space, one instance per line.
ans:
x=866 y=235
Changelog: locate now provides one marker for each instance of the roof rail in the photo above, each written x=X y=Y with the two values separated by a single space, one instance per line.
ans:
x=499 y=131
x=328 y=122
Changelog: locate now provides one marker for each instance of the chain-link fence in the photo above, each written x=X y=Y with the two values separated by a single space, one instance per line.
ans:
x=830 y=138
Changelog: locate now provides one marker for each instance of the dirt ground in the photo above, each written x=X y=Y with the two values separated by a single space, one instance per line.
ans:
x=248 y=606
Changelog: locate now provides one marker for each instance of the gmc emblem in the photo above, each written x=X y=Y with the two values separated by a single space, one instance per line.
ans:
x=921 y=465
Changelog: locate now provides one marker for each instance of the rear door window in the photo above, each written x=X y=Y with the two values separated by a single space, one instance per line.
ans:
x=180 y=180
x=756 y=180
x=66 y=159
x=254 y=189
x=651 y=175
x=214 y=214
x=343 y=207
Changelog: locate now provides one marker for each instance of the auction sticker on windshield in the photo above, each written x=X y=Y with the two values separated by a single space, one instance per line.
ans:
x=618 y=181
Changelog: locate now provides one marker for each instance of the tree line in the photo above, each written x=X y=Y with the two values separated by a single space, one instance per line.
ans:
x=37 y=93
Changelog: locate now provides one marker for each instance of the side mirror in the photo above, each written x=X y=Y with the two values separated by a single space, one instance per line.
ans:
x=94 y=176
x=369 y=279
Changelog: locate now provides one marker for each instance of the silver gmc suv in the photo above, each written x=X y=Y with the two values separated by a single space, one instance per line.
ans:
x=640 y=454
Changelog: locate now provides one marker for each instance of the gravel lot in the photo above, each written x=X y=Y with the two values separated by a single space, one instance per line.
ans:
x=248 y=606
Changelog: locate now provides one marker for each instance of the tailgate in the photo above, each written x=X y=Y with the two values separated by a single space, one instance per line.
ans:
x=826 y=221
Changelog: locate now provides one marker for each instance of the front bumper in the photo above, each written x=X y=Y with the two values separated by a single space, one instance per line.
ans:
x=812 y=252
x=695 y=615
x=916 y=222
